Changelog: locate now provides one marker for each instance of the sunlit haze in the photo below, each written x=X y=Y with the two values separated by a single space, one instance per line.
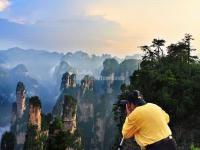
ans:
x=117 y=27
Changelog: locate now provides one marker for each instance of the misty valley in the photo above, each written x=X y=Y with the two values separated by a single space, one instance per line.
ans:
x=91 y=83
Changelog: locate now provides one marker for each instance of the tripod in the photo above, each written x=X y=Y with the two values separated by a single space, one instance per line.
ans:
x=120 y=145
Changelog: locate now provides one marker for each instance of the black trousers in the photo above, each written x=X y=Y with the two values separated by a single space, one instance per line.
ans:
x=166 y=144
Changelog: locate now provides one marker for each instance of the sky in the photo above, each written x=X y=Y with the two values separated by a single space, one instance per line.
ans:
x=116 y=27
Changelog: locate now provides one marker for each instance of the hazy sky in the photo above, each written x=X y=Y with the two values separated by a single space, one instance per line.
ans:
x=96 y=26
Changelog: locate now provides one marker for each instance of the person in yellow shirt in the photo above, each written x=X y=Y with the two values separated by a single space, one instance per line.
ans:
x=148 y=124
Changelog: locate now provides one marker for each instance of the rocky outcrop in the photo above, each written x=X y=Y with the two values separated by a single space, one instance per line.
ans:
x=69 y=114
x=109 y=81
x=68 y=87
x=126 y=69
x=115 y=74
x=35 y=117
x=19 y=119
x=68 y=81
x=24 y=115
x=86 y=105
x=34 y=132
x=20 y=99
x=94 y=104
x=87 y=83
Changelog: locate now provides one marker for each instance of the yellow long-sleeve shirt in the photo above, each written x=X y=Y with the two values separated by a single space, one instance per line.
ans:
x=148 y=124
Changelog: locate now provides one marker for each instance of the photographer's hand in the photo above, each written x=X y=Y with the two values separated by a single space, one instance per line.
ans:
x=127 y=110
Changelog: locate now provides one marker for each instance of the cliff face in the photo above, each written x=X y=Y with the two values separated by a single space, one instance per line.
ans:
x=19 y=118
x=100 y=131
x=86 y=110
x=20 y=99
x=87 y=83
x=68 y=80
x=35 y=112
x=69 y=114
x=109 y=81
x=95 y=112
x=35 y=137
x=86 y=105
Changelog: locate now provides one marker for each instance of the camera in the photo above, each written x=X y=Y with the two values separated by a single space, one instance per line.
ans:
x=134 y=97
x=121 y=103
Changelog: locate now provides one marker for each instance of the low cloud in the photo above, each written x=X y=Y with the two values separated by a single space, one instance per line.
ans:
x=80 y=32
x=4 y=4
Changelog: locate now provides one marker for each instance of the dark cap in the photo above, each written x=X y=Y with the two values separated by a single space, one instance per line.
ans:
x=134 y=97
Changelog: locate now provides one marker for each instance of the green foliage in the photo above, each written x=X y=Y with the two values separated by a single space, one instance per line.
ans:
x=62 y=140
x=31 y=141
x=110 y=66
x=8 y=141
x=35 y=140
x=170 y=81
x=70 y=102
x=59 y=139
x=194 y=148
x=35 y=101
x=42 y=141
x=56 y=125
x=128 y=65
x=46 y=120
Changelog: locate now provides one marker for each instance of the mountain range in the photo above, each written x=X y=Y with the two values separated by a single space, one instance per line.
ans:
x=41 y=72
